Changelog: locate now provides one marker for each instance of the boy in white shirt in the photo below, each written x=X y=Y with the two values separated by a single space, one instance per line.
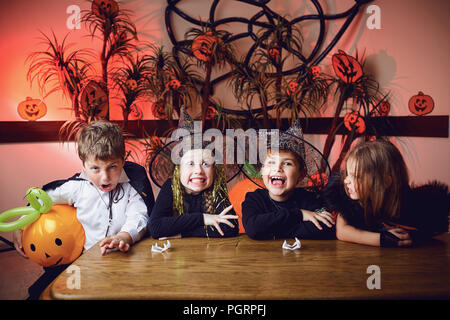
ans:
x=113 y=198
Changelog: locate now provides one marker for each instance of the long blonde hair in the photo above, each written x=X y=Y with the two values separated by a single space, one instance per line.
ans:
x=381 y=179
x=212 y=197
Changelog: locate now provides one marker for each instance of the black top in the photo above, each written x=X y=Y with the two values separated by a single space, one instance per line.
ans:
x=164 y=222
x=425 y=208
x=264 y=218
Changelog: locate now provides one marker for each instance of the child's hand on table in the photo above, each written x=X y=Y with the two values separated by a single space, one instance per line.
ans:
x=215 y=219
x=323 y=216
x=121 y=241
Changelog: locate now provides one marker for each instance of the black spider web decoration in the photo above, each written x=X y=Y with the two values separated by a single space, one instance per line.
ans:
x=314 y=57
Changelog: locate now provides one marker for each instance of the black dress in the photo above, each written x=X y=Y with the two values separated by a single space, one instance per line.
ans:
x=164 y=222
x=425 y=208
x=264 y=218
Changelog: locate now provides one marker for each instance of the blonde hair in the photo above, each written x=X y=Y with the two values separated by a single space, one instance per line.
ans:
x=212 y=197
x=381 y=179
x=101 y=139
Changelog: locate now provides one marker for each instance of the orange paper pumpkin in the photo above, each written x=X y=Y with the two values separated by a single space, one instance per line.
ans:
x=173 y=84
x=105 y=8
x=384 y=108
x=354 y=120
x=94 y=99
x=292 y=87
x=237 y=196
x=421 y=104
x=56 y=238
x=347 y=68
x=204 y=45
x=131 y=84
x=317 y=181
x=32 y=109
x=274 y=53
x=315 y=71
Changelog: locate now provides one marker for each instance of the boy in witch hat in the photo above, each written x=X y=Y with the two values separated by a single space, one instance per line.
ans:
x=282 y=209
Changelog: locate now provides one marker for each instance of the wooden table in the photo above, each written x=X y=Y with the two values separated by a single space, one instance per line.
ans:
x=242 y=268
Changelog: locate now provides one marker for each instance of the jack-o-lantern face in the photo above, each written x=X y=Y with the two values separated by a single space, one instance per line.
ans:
x=94 y=100
x=32 y=109
x=105 y=8
x=383 y=108
x=292 y=87
x=347 y=68
x=315 y=71
x=353 y=121
x=421 y=104
x=210 y=112
x=317 y=181
x=204 y=46
x=274 y=54
x=56 y=238
x=131 y=84
x=173 y=84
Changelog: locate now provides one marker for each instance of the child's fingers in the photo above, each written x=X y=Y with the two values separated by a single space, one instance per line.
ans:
x=226 y=210
x=326 y=218
x=226 y=222
x=218 y=228
x=316 y=223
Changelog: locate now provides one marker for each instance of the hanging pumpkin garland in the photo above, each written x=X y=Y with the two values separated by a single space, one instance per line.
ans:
x=292 y=88
x=317 y=181
x=204 y=46
x=316 y=71
x=210 y=112
x=346 y=67
x=105 y=8
x=354 y=121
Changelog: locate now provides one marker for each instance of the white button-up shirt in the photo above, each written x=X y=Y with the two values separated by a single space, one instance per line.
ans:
x=129 y=212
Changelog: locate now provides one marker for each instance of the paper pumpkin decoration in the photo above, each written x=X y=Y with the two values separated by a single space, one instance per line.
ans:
x=274 y=53
x=354 y=120
x=317 y=181
x=292 y=87
x=210 y=112
x=173 y=84
x=315 y=71
x=204 y=45
x=105 y=8
x=237 y=196
x=347 y=68
x=94 y=99
x=383 y=108
x=131 y=84
x=56 y=238
x=32 y=109
x=421 y=104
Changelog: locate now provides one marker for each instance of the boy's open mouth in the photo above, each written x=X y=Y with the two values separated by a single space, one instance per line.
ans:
x=277 y=181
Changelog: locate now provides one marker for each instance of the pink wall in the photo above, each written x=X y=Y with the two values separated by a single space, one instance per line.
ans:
x=409 y=53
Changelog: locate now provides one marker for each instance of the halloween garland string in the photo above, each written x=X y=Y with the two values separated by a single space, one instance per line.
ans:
x=269 y=24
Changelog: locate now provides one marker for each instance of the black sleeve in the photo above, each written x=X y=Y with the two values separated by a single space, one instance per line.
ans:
x=211 y=231
x=162 y=221
x=307 y=229
x=263 y=222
